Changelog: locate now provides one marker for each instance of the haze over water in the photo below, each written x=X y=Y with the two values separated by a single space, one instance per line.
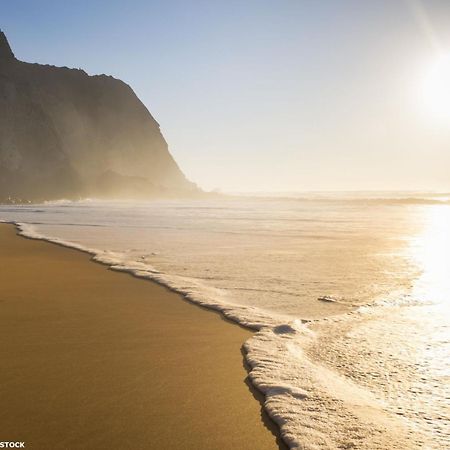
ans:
x=350 y=293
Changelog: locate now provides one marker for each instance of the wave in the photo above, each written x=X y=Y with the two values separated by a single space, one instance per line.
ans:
x=361 y=198
x=314 y=406
x=426 y=199
x=405 y=201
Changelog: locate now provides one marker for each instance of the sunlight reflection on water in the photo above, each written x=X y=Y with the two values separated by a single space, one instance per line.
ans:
x=402 y=351
x=431 y=252
x=421 y=342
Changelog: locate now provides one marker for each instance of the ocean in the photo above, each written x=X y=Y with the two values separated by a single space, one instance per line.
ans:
x=349 y=295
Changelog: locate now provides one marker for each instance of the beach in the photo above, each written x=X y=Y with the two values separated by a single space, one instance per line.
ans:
x=321 y=287
x=94 y=359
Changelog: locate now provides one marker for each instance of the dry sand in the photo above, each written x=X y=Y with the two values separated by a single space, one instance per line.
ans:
x=94 y=359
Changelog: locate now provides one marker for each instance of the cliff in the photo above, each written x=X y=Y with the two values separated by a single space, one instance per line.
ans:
x=65 y=134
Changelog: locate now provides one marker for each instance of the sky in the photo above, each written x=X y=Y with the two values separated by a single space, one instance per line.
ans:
x=280 y=95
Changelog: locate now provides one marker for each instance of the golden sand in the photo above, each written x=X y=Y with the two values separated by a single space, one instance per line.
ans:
x=95 y=359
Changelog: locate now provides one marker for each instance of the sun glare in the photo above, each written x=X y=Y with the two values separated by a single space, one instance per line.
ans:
x=431 y=251
x=437 y=88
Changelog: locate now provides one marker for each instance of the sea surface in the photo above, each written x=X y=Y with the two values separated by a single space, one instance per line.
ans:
x=349 y=294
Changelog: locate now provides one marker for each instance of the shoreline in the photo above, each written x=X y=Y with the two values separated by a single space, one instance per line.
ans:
x=213 y=418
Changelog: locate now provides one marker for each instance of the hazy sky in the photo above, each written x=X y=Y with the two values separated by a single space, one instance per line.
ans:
x=266 y=95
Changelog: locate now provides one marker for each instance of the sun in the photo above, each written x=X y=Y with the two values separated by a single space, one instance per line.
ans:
x=437 y=88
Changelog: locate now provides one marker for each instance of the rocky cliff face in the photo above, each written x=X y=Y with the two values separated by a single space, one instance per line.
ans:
x=65 y=134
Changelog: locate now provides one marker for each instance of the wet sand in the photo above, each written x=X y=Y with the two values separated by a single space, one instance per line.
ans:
x=95 y=359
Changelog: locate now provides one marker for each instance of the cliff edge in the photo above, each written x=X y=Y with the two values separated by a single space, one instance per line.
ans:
x=65 y=134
